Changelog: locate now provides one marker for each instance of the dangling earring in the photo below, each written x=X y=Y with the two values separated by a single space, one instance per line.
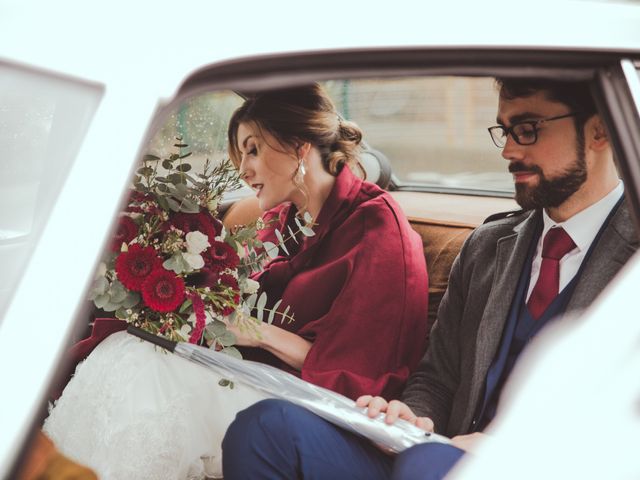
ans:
x=301 y=168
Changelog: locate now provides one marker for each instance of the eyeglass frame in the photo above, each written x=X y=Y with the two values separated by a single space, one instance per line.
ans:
x=534 y=124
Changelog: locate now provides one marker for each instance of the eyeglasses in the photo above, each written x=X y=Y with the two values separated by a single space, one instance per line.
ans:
x=524 y=133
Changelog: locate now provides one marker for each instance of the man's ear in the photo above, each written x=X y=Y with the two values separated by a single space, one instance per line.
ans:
x=597 y=137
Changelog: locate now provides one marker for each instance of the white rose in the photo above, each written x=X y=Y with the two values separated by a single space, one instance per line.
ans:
x=197 y=242
x=194 y=260
x=251 y=286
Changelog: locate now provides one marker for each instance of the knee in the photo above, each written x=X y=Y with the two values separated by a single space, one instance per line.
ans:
x=428 y=461
x=254 y=423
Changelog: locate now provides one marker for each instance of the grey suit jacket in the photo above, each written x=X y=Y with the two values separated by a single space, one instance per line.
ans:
x=448 y=383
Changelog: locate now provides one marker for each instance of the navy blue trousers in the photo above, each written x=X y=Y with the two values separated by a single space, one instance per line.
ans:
x=274 y=439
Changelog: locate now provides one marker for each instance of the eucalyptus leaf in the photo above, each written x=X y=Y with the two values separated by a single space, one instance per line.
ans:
x=281 y=241
x=262 y=301
x=270 y=248
x=100 y=286
x=180 y=145
x=232 y=351
x=181 y=188
x=251 y=301
x=273 y=312
x=284 y=314
x=307 y=232
x=176 y=178
x=216 y=328
x=145 y=171
x=185 y=155
x=101 y=300
x=121 y=313
x=176 y=263
x=167 y=164
x=117 y=292
x=185 y=167
x=150 y=158
x=307 y=217
x=163 y=202
x=293 y=235
x=173 y=205
x=189 y=206
x=110 y=307
x=133 y=298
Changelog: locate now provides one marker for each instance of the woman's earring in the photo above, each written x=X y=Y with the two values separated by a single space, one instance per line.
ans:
x=301 y=168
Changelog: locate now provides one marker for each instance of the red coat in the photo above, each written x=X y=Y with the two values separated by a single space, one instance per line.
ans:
x=358 y=290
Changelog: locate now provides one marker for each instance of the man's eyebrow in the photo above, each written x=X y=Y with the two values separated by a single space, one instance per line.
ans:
x=520 y=117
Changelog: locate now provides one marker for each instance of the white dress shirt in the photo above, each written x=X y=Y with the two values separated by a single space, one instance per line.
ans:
x=582 y=228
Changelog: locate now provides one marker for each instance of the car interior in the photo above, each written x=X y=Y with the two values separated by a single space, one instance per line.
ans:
x=425 y=133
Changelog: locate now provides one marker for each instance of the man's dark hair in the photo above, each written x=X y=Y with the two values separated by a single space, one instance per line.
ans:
x=576 y=95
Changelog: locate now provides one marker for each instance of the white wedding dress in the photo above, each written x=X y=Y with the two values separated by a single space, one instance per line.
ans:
x=133 y=411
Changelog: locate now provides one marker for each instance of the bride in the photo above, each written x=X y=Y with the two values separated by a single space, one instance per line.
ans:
x=132 y=411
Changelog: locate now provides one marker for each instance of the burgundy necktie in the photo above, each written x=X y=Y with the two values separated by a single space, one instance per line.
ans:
x=557 y=243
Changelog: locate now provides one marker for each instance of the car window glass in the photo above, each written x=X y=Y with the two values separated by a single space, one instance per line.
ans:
x=43 y=119
x=432 y=129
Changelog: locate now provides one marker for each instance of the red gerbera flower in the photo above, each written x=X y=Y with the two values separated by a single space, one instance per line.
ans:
x=134 y=266
x=221 y=256
x=163 y=291
x=125 y=232
x=202 y=222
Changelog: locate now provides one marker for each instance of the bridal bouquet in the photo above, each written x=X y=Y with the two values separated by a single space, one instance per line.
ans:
x=173 y=269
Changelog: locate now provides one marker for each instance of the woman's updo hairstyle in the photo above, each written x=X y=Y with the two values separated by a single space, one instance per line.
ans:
x=297 y=115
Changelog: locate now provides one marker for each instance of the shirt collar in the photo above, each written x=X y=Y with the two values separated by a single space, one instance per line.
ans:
x=584 y=225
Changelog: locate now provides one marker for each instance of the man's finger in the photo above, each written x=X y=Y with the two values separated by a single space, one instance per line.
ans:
x=376 y=405
x=424 y=423
x=363 y=401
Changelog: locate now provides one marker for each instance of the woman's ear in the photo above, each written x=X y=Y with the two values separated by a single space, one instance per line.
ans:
x=302 y=149
x=597 y=136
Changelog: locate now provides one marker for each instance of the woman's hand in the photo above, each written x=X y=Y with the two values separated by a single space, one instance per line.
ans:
x=247 y=335
x=394 y=409
x=287 y=346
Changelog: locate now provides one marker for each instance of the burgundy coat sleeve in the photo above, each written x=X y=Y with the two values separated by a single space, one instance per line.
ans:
x=375 y=331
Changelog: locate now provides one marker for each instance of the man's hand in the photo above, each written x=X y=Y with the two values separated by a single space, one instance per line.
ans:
x=394 y=409
x=469 y=442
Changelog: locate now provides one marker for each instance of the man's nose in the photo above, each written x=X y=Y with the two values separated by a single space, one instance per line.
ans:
x=512 y=150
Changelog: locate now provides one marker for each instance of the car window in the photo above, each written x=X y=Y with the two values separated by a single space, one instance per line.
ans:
x=433 y=130
x=43 y=119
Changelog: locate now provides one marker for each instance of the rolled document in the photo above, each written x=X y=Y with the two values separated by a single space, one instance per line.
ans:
x=276 y=383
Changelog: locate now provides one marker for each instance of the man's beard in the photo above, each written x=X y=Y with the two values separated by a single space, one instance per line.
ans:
x=550 y=192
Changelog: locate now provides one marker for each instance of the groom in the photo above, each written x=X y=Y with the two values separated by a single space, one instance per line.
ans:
x=513 y=275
